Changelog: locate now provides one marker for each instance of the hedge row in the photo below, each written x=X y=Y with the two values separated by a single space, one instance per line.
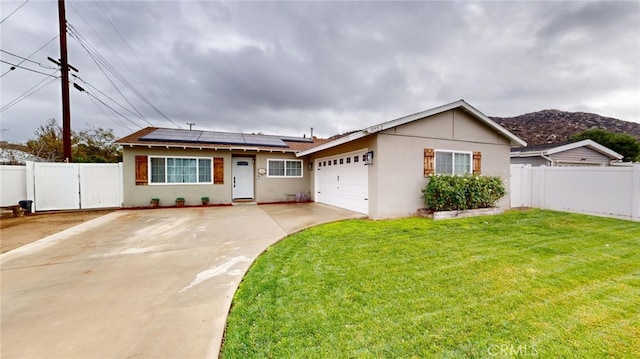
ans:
x=450 y=192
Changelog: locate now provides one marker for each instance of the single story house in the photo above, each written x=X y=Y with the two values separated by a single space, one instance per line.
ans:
x=572 y=154
x=379 y=171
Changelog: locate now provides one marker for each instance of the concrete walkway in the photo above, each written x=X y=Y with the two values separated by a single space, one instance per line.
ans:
x=145 y=283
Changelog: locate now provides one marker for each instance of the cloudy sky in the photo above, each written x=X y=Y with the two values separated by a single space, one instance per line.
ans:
x=283 y=67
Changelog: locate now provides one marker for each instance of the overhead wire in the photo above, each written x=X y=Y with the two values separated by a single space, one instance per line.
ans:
x=26 y=59
x=33 y=53
x=104 y=94
x=14 y=11
x=26 y=68
x=103 y=66
x=29 y=92
x=115 y=28
x=99 y=59
x=114 y=118
x=111 y=108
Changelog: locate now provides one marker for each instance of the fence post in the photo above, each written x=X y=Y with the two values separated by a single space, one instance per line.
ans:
x=527 y=185
x=543 y=187
x=635 y=194
x=31 y=184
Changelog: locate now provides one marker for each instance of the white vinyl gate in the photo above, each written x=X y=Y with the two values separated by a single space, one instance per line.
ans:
x=343 y=181
x=60 y=186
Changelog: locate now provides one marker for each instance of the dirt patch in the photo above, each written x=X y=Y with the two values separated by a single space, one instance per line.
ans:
x=18 y=231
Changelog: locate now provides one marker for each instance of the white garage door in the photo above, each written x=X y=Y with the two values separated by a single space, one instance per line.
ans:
x=343 y=181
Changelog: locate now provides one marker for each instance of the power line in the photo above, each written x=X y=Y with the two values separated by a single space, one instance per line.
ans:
x=109 y=107
x=130 y=49
x=33 y=53
x=99 y=59
x=102 y=63
x=115 y=119
x=29 y=92
x=14 y=11
x=105 y=95
x=26 y=68
x=26 y=59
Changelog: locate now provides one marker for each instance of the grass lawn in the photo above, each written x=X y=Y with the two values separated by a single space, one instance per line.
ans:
x=521 y=284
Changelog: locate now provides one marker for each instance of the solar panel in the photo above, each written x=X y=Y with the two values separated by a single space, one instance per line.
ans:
x=165 y=134
x=227 y=138
x=262 y=140
x=222 y=137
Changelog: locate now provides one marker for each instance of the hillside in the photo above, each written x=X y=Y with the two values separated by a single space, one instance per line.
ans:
x=550 y=126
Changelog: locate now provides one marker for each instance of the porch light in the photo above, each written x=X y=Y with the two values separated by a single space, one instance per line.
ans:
x=368 y=159
x=310 y=165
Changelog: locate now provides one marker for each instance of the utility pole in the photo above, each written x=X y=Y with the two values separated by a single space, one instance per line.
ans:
x=190 y=125
x=64 y=69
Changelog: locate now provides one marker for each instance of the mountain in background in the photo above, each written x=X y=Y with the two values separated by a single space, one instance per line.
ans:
x=551 y=126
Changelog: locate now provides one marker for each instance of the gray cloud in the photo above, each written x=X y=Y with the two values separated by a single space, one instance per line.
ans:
x=282 y=67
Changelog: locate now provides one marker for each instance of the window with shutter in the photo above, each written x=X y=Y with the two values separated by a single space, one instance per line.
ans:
x=142 y=173
x=218 y=170
x=477 y=163
x=429 y=161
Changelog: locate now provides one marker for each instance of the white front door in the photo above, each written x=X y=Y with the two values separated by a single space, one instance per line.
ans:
x=242 y=178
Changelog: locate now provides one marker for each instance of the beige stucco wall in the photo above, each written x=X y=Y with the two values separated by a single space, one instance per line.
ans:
x=266 y=189
x=399 y=161
x=396 y=177
x=270 y=189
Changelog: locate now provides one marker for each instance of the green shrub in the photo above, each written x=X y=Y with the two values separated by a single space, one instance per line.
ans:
x=450 y=193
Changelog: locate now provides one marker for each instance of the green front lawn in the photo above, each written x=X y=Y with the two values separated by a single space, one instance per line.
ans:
x=532 y=283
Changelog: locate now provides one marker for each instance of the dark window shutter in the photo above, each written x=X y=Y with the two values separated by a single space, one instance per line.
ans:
x=477 y=163
x=142 y=172
x=429 y=161
x=218 y=170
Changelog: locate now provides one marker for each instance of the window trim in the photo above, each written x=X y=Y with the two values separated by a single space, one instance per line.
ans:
x=285 y=160
x=453 y=161
x=165 y=183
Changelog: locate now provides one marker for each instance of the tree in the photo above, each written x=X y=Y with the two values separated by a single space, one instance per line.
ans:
x=94 y=144
x=48 y=142
x=623 y=143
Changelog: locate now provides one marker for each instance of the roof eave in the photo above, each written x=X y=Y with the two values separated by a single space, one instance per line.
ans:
x=207 y=146
x=587 y=143
x=514 y=140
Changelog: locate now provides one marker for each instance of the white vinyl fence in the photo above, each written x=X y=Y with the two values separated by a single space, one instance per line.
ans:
x=603 y=191
x=13 y=184
x=59 y=186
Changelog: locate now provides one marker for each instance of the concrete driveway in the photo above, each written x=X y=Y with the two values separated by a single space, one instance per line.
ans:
x=142 y=283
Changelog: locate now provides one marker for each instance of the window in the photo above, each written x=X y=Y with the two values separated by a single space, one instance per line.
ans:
x=285 y=168
x=356 y=159
x=348 y=160
x=341 y=161
x=180 y=170
x=448 y=162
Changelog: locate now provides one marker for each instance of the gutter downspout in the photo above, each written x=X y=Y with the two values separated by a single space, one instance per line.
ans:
x=547 y=158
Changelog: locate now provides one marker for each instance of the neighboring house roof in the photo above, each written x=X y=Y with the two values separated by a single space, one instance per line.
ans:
x=14 y=156
x=551 y=148
x=196 y=139
x=461 y=104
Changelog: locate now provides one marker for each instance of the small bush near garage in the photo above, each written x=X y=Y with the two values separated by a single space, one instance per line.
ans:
x=452 y=193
